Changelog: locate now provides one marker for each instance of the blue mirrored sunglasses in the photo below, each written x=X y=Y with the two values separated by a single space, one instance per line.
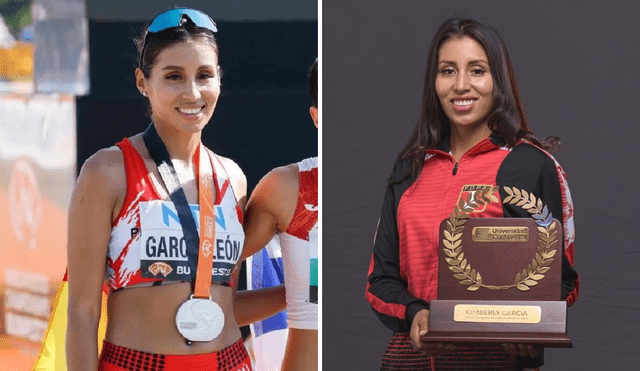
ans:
x=171 y=18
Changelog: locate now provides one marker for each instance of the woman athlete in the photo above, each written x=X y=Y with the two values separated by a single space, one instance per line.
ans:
x=472 y=131
x=285 y=201
x=166 y=214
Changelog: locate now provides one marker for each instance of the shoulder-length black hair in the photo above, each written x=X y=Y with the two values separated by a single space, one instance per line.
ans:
x=507 y=116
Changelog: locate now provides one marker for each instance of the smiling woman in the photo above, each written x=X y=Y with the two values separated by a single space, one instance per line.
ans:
x=472 y=131
x=183 y=94
x=166 y=213
x=465 y=89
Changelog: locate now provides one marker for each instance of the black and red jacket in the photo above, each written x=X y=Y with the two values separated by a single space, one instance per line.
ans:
x=403 y=274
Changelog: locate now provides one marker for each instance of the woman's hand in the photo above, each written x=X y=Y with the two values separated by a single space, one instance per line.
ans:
x=524 y=350
x=419 y=327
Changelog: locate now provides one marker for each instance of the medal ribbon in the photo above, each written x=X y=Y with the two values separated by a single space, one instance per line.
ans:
x=199 y=248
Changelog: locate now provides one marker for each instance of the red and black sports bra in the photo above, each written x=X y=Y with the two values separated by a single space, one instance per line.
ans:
x=148 y=230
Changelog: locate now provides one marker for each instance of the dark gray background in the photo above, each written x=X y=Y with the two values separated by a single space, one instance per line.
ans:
x=577 y=67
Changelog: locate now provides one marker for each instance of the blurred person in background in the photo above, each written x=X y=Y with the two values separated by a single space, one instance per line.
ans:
x=285 y=202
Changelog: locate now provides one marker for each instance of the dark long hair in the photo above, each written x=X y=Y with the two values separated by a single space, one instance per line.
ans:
x=507 y=116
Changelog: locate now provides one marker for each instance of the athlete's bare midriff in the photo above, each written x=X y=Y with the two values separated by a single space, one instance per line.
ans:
x=143 y=318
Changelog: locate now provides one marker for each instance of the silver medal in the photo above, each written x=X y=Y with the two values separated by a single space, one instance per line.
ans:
x=199 y=319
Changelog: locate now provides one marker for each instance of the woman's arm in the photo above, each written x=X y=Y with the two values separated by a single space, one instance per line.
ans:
x=554 y=186
x=534 y=170
x=269 y=210
x=90 y=215
x=251 y=306
x=386 y=288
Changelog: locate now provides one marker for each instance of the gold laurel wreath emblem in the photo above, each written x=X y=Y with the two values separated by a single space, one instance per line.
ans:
x=530 y=275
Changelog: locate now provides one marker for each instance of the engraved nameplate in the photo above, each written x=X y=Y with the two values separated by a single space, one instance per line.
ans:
x=497 y=313
x=500 y=234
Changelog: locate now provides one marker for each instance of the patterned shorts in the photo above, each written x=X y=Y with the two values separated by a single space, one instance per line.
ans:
x=117 y=358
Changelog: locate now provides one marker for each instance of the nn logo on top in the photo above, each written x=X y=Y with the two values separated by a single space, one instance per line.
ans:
x=170 y=216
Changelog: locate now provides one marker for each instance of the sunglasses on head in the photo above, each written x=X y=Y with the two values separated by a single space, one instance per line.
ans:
x=172 y=18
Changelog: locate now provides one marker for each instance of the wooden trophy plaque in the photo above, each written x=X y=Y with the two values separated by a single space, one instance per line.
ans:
x=499 y=281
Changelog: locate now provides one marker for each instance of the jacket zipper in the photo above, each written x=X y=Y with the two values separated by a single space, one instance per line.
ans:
x=455 y=169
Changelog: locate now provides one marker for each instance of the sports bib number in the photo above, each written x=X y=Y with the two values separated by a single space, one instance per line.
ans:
x=163 y=251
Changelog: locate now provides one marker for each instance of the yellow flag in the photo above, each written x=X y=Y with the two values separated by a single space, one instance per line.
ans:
x=52 y=355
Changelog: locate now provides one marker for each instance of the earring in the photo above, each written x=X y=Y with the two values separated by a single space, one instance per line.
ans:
x=144 y=93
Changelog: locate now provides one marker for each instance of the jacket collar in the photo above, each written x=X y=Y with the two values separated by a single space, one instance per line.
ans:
x=494 y=140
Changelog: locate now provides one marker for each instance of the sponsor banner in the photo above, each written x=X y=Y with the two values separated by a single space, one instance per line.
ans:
x=42 y=129
x=25 y=326
x=27 y=303
x=33 y=282
x=163 y=250
x=37 y=173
